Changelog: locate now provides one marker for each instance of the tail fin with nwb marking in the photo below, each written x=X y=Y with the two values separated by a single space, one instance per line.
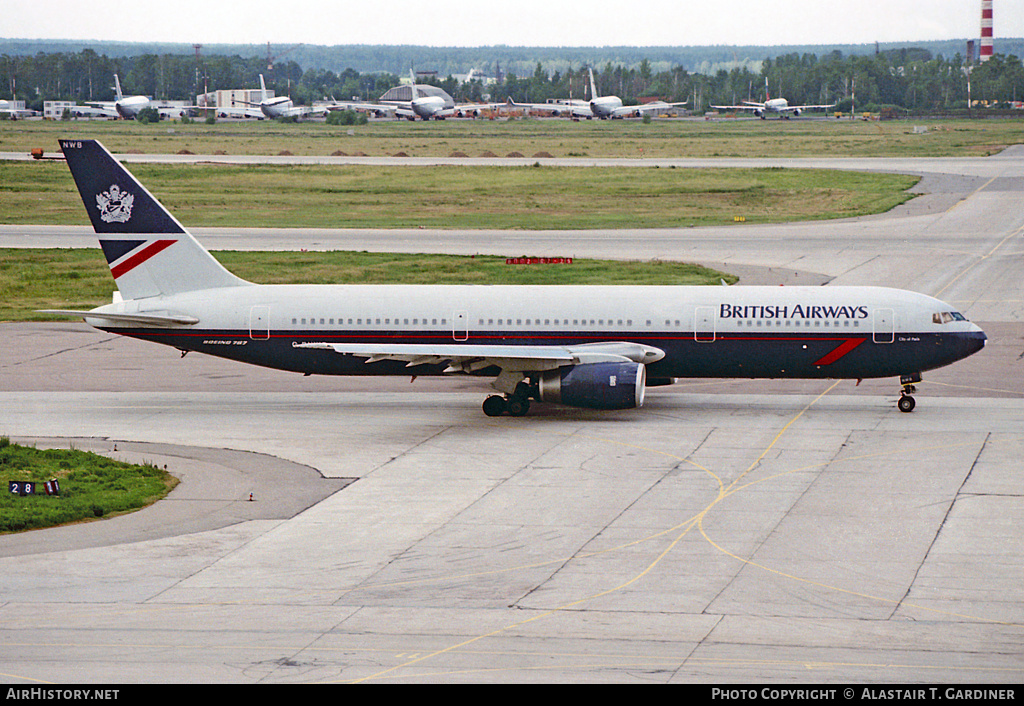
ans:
x=149 y=252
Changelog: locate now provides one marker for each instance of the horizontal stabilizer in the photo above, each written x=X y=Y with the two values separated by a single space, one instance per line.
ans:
x=145 y=319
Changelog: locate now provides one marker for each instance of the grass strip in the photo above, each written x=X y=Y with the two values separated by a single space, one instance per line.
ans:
x=449 y=197
x=90 y=486
x=660 y=138
x=63 y=278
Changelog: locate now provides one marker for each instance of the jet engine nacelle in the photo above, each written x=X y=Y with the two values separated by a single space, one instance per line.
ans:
x=796 y=112
x=617 y=385
x=759 y=113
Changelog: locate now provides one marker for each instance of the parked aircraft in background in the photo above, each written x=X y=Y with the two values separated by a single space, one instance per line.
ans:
x=129 y=107
x=581 y=346
x=124 y=106
x=424 y=101
x=611 y=106
x=276 y=107
x=779 y=106
x=602 y=107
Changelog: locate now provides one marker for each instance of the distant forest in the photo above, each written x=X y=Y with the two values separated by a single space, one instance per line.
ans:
x=928 y=76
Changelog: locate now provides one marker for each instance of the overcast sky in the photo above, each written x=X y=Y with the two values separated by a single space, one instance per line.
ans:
x=517 y=23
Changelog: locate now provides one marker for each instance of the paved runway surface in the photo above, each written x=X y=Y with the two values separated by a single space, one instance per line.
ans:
x=729 y=531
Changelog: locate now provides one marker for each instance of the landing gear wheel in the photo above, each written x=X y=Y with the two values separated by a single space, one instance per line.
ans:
x=518 y=406
x=906 y=403
x=495 y=406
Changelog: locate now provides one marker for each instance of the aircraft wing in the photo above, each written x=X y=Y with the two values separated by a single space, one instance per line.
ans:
x=379 y=109
x=170 y=111
x=236 y=111
x=577 y=110
x=17 y=112
x=652 y=107
x=303 y=111
x=107 y=109
x=472 y=110
x=809 y=107
x=467 y=358
x=739 y=107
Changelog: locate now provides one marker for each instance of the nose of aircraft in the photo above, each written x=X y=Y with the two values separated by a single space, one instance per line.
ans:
x=975 y=338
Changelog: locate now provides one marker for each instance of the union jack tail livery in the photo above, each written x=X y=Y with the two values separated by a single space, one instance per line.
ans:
x=149 y=252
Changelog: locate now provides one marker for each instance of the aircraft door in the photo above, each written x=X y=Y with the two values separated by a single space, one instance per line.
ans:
x=259 y=323
x=704 y=324
x=884 y=326
x=460 y=326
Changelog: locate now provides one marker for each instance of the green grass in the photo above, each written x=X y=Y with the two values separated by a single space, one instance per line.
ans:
x=528 y=197
x=32 y=279
x=725 y=137
x=91 y=486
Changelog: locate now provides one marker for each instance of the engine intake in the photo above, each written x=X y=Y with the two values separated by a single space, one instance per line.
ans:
x=595 y=385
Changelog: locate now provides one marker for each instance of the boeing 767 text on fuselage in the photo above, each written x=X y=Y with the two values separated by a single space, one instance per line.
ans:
x=582 y=346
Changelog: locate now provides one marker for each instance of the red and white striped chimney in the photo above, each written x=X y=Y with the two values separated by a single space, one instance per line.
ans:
x=986 y=30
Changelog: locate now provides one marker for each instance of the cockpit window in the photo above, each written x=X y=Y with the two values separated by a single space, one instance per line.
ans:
x=946 y=317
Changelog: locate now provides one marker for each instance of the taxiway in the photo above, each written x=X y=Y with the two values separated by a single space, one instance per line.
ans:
x=729 y=531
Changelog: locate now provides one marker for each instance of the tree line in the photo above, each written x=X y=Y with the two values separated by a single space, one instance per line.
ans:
x=905 y=79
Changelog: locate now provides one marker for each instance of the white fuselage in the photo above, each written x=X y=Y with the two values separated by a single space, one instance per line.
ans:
x=131 y=106
x=276 y=107
x=605 y=106
x=704 y=330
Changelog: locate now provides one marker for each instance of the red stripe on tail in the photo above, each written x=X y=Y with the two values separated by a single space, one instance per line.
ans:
x=140 y=257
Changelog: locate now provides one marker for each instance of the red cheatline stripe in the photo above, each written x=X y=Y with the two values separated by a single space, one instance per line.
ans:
x=843 y=348
x=138 y=258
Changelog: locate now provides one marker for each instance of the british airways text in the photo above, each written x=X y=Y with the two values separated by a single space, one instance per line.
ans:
x=760 y=311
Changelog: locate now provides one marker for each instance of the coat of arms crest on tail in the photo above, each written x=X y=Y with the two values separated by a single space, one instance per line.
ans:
x=115 y=205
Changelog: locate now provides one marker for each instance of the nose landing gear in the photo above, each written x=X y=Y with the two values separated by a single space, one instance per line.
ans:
x=907 y=403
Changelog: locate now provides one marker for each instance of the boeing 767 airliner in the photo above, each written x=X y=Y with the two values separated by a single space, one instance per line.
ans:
x=581 y=346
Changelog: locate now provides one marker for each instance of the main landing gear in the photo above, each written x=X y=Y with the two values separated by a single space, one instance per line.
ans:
x=513 y=405
x=516 y=404
x=906 y=402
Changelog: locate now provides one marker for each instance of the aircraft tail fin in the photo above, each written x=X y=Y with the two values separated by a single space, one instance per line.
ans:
x=149 y=252
x=117 y=87
x=263 y=88
x=412 y=84
x=593 y=86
